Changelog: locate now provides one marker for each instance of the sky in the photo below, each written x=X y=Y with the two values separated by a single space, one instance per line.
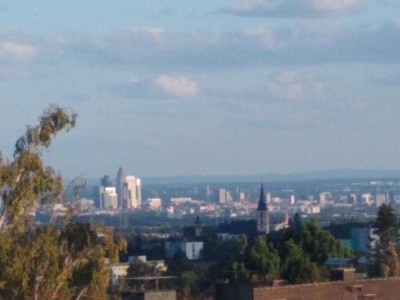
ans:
x=210 y=87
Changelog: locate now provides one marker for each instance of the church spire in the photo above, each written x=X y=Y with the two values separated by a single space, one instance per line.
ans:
x=262 y=204
x=262 y=214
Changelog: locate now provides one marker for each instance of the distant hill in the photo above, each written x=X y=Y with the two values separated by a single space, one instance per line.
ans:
x=339 y=174
x=271 y=177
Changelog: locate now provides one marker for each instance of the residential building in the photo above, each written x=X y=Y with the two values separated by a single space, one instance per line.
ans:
x=192 y=250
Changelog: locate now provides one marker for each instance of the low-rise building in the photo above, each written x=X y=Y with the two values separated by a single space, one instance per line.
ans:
x=363 y=239
x=192 y=250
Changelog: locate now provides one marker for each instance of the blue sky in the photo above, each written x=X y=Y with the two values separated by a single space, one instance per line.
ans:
x=206 y=87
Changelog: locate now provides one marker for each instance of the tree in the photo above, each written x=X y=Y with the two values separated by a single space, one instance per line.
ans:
x=319 y=244
x=47 y=262
x=297 y=267
x=264 y=259
x=140 y=268
x=25 y=181
x=386 y=224
x=179 y=264
x=385 y=261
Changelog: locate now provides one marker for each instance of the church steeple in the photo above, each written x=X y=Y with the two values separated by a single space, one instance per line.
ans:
x=262 y=204
x=262 y=214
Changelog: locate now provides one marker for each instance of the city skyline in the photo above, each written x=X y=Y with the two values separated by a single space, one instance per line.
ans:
x=206 y=88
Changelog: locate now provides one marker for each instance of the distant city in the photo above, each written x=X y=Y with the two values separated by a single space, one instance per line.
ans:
x=327 y=200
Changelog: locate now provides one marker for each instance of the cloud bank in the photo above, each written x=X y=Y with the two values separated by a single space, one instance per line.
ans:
x=296 y=8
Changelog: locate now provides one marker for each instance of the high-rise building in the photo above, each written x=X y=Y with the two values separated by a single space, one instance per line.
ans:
x=242 y=197
x=324 y=197
x=229 y=196
x=130 y=192
x=222 y=196
x=108 y=197
x=120 y=187
x=105 y=181
x=269 y=198
x=139 y=191
x=262 y=214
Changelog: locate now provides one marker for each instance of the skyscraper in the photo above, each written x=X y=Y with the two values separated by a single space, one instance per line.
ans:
x=130 y=192
x=120 y=187
x=139 y=191
x=108 y=197
x=105 y=182
x=222 y=196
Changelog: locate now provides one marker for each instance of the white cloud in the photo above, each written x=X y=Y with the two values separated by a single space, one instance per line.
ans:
x=292 y=85
x=177 y=86
x=17 y=52
x=296 y=8
x=338 y=5
x=182 y=52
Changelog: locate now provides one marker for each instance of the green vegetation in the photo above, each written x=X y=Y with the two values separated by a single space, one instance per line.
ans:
x=385 y=261
x=47 y=262
x=296 y=254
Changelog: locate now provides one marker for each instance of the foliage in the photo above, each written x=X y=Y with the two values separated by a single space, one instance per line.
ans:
x=319 y=244
x=179 y=264
x=188 y=281
x=264 y=259
x=386 y=224
x=297 y=267
x=140 y=268
x=25 y=181
x=385 y=261
x=47 y=262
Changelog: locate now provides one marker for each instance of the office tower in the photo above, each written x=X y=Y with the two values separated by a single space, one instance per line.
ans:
x=242 y=197
x=139 y=191
x=104 y=183
x=324 y=197
x=120 y=187
x=269 y=197
x=222 y=196
x=108 y=197
x=130 y=192
x=208 y=193
x=229 y=196
x=262 y=214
